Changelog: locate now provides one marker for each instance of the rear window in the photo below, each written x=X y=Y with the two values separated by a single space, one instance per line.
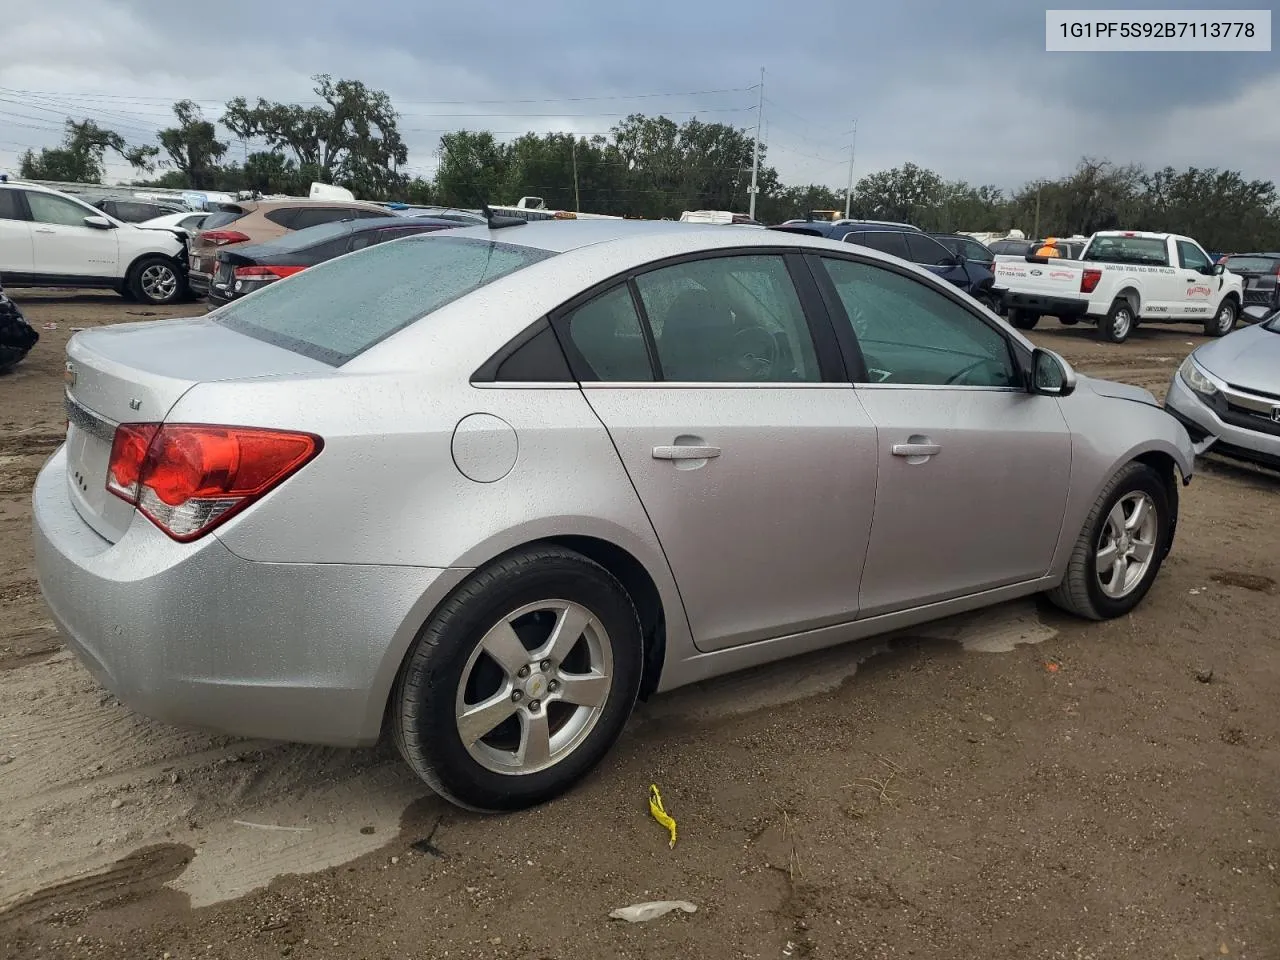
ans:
x=1253 y=264
x=220 y=218
x=1138 y=250
x=337 y=310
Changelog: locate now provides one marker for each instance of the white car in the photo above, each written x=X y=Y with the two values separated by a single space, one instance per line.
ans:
x=50 y=239
x=188 y=221
x=1122 y=277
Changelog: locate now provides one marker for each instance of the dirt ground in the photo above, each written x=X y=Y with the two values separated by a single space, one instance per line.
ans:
x=1014 y=784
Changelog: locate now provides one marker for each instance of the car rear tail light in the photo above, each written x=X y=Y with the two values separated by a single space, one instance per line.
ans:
x=189 y=478
x=265 y=273
x=222 y=237
x=1089 y=280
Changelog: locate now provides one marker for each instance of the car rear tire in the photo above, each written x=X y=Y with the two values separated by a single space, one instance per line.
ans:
x=1120 y=549
x=1024 y=319
x=493 y=708
x=1224 y=321
x=157 y=281
x=1119 y=322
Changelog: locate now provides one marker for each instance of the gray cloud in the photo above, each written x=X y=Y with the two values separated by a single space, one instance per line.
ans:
x=964 y=88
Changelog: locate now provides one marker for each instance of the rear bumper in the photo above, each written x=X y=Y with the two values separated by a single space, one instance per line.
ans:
x=199 y=283
x=1045 y=305
x=1211 y=434
x=191 y=634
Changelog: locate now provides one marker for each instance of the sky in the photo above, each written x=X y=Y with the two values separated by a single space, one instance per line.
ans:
x=964 y=88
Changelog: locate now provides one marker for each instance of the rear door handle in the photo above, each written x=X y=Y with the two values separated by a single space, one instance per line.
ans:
x=44 y=230
x=685 y=453
x=916 y=449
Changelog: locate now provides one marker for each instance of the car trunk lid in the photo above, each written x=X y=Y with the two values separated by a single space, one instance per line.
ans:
x=136 y=373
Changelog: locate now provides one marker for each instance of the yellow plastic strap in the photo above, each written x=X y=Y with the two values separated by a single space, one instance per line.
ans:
x=659 y=813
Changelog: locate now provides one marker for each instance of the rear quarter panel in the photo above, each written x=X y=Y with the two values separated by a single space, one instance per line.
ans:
x=386 y=489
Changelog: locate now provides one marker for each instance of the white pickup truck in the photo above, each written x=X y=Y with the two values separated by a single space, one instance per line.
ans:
x=1122 y=277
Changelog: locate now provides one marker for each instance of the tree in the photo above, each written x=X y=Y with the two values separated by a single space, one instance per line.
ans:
x=904 y=194
x=473 y=170
x=789 y=203
x=81 y=158
x=352 y=139
x=1218 y=207
x=193 y=146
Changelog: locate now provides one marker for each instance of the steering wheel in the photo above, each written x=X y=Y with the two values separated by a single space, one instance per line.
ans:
x=755 y=352
x=960 y=373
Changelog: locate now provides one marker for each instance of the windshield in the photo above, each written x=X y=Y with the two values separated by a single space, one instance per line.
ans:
x=339 y=309
x=1138 y=250
x=306 y=237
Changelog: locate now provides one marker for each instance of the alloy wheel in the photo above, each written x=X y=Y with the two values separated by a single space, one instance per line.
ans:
x=534 y=687
x=1127 y=545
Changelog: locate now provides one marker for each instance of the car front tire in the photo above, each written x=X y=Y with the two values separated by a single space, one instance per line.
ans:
x=1120 y=549
x=156 y=281
x=520 y=682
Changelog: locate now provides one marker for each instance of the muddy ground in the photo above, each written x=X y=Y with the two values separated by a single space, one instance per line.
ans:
x=1013 y=785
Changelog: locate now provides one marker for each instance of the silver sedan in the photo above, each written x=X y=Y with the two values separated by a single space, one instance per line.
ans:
x=1227 y=393
x=481 y=490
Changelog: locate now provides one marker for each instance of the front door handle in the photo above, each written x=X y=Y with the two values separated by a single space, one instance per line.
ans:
x=916 y=449
x=685 y=453
x=45 y=230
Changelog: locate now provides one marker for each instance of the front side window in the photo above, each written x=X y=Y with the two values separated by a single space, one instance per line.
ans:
x=47 y=208
x=1192 y=257
x=912 y=334
x=608 y=337
x=337 y=310
x=729 y=320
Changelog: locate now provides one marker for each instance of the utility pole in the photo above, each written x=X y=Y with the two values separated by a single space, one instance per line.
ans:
x=577 y=206
x=755 y=159
x=853 y=148
x=1035 y=232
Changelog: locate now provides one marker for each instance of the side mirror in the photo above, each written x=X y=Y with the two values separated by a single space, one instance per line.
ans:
x=99 y=223
x=1051 y=375
x=1218 y=270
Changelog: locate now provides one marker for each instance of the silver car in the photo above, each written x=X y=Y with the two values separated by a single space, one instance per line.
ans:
x=483 y=489
x=1227 y=394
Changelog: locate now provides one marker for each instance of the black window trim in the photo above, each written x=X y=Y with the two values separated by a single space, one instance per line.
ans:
x=831 y=367
x=1019 y=355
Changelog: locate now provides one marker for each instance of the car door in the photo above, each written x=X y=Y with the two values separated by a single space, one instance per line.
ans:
x=1198 y=286
x=15 y=236
x=937 y=259
x=728 y=406
x=63 y=245
x=973 y=469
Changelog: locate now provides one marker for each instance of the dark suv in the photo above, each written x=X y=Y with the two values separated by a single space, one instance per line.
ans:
x=1261 y=273
x=907 y=243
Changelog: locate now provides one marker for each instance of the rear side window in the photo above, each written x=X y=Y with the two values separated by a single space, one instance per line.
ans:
x=607 y=335
x=220 y=218
x=286 y=217
x=314 y=216
x=337 y=310
x=10 y=209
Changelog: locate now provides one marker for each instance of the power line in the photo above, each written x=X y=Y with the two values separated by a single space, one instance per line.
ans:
x=612 y=97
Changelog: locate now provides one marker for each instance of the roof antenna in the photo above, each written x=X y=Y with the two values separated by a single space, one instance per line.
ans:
x=497 y=221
